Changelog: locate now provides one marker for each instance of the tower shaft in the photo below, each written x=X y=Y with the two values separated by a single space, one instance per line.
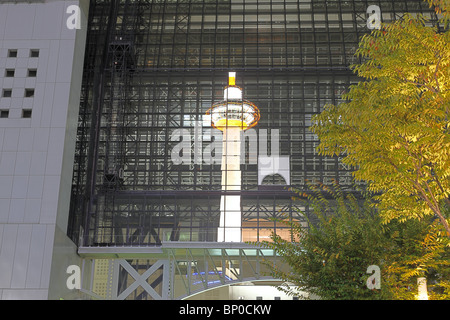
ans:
x=230 y=205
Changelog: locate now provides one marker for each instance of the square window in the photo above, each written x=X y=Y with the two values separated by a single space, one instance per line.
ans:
x=29 y=93
x=34 y=53
x=7 y=93
x=12 y=53
x=26 y=113
x=4 y=113
x=9 y=73
x=32 y=73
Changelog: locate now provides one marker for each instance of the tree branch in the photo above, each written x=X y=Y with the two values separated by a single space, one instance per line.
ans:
x=436 y=71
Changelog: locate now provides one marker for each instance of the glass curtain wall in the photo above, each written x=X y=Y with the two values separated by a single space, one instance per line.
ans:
x=147 y=166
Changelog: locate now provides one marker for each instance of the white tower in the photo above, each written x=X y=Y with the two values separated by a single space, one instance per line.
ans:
x=232 y=116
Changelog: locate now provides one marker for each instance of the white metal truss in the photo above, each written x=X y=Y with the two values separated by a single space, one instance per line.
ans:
x=141 y=279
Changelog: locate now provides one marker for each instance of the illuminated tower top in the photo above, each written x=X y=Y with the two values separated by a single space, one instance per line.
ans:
x=233 y=111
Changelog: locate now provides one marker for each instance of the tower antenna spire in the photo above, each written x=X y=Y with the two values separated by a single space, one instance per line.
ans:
x=231 y=78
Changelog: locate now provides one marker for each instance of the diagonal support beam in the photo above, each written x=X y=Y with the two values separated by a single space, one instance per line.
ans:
x=141 y=280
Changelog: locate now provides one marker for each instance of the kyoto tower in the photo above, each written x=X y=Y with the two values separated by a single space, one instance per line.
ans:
x=232 y=116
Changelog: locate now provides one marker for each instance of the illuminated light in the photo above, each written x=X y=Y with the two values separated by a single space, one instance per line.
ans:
x=213 y=273
x=422 y=288
x=231 y=78
x=245 y=112
x=232 y=93
x=223 y=123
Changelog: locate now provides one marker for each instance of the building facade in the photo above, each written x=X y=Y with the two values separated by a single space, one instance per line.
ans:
x=41 y=62
x=146 y=188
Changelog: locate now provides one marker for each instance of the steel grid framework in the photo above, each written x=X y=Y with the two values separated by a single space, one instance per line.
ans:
x=156 y=66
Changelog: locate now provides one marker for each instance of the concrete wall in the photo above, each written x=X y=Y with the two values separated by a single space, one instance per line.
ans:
x=36 y=153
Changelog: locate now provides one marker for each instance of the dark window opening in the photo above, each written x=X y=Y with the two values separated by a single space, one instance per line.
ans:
x=34 y=53
x=7 y=93
x=9 y=73
x=29 y=93
x=26 y=113
x=32 y=73
x=4 y=113
x=12 y=53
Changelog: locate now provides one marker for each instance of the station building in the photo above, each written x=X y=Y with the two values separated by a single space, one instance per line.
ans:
x=112 y=116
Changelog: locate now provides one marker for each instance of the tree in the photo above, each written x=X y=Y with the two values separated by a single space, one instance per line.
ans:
x=345 y=237
x=331 y=258
x=418 y=249
x=394 y=127
x=441 y=7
